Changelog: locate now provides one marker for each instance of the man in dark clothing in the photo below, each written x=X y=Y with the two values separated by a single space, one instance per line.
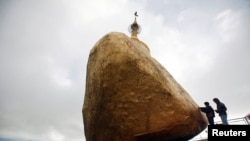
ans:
x=209 y=112
x=221 y=110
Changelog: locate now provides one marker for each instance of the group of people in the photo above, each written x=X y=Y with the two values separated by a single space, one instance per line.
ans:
x=210 y=112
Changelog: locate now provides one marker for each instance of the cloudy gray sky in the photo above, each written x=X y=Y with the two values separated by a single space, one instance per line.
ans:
x=44 y=47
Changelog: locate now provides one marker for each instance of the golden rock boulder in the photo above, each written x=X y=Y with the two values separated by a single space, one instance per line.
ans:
x=131 y=97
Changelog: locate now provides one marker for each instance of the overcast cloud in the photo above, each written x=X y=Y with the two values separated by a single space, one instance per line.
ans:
x=44 y=48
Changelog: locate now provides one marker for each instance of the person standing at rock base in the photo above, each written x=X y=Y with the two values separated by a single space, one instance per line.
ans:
x=209 y=112
x=221 y=110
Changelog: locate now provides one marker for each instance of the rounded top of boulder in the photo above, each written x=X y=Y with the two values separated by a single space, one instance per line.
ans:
x=117 y=38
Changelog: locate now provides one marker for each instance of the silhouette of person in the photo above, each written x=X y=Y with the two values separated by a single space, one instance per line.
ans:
x=209 y=112
x=221 y=110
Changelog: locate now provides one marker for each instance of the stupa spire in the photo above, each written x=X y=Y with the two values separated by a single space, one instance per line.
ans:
x=134 y=28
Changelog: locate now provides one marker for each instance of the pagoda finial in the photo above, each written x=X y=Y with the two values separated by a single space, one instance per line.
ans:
x=136 y=15
x=134 y=28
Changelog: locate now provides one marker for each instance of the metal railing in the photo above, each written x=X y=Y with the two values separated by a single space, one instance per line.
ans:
x=236 y=121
